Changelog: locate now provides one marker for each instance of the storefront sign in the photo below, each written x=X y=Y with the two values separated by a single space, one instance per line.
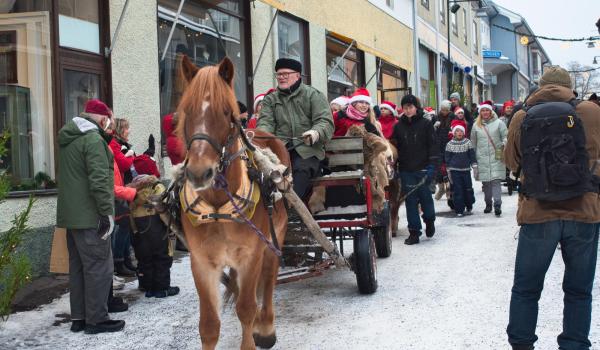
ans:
x=492 y=54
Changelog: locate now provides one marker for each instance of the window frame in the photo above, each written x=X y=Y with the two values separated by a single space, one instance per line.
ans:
x=465 y=30
x=454 y=23
x=306 y=39
x=359 y=60
x=389 y=4
x=475 y=38
x=11 y=55
x=425 y=4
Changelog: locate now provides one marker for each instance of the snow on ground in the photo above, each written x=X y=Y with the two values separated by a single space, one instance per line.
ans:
x=450 y=292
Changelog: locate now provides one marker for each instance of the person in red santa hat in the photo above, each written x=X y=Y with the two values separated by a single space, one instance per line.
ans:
x=256 y=108
x=358 y=112
x=388 y=118
x=339 y=103
x=507 y=111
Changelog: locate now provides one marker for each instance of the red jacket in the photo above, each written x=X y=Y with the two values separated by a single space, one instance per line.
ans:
x=343 y=123
x=387 y=125
x=124 y=163
x=175 y=147
x=252 y=123
x=121 y=192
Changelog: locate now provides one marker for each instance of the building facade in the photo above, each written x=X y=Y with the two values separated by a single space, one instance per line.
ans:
x=57 y=54
x=435 y=22
x=513 y=58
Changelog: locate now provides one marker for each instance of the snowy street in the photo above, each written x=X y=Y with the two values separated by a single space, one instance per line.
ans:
x=449 y=292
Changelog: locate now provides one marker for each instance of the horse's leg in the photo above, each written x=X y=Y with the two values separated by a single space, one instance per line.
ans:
x=264 y=328
x=394 y=205
x=206 y=278
x=249 y=274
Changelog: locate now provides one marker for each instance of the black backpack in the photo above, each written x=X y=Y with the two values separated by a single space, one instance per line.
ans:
x=554 y=160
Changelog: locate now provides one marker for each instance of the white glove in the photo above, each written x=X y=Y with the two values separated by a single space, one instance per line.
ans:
x=130 y=153
x=437 y=124
x=310 y=137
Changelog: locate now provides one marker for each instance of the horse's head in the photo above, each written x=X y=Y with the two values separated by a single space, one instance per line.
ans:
x=208 y=113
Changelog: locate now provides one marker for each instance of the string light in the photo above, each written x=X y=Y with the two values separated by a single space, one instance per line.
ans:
x=591 y=38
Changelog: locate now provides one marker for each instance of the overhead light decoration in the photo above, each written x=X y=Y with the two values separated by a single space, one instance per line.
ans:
x=524 y=40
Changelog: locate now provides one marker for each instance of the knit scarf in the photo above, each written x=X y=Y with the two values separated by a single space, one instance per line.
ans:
x=354 y=113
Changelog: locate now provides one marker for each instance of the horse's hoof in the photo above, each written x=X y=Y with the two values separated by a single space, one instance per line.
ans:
x=265 y=342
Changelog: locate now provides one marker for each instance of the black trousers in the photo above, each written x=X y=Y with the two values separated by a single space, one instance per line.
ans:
x=151 y=247
x=303 y=170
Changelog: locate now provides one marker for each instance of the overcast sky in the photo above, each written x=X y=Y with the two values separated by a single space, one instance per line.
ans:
x=561 y=19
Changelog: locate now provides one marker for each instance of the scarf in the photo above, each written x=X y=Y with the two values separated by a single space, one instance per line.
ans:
x=353 y=113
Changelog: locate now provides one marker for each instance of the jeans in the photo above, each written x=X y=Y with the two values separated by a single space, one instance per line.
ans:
x=121 y=240
x=537 y=246
x=422 y=196
x=493 y=189
x=462 y=190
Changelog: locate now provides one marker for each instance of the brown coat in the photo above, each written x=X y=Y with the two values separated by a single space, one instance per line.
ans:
x=583 y=209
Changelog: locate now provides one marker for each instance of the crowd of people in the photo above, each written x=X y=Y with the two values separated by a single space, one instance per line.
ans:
x=439 y=153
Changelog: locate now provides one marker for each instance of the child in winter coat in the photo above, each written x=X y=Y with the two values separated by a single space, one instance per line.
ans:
x=153 y=249
x=460 y=157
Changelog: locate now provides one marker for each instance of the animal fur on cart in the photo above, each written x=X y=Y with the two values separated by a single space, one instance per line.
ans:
x=379 y=157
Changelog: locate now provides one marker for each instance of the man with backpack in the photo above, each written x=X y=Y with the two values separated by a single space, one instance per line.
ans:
x=555 y=144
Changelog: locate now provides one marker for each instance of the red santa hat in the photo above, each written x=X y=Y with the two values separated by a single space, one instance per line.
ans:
x=341 y=100
x=458 y=127
x=258 y=99
x=389 y=106
x=145 y=165
x=361 y=95
x=508 y=103
x=486 y=105
x=459 y=110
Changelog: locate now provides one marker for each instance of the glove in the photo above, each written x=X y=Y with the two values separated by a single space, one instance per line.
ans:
x=151 y=147
x=106 y=225
x=130 y=153
x=475 y=172
x=437 y=124
x=310 y=137
x=430 y=172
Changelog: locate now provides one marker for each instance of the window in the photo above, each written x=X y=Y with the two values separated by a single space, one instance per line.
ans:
x=79 y=24
x=442 y=7
x=292 y=42
x=204 y=33
x=465 y=26
x=454 y=24
x=475 y=38
x=390 y=3
x=392 y=82
x=349 y=71
x=425 y=3
x=26 y=90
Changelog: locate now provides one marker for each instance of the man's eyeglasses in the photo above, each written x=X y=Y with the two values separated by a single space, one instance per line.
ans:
x=283 y=75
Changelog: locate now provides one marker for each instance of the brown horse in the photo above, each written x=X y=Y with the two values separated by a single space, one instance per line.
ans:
x=208 y=123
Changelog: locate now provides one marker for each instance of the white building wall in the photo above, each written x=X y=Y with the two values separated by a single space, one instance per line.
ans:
x=318 y=57
x=402 y=10
x=135 y=78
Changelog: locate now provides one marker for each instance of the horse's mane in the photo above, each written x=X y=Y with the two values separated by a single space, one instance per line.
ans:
x=208 y=85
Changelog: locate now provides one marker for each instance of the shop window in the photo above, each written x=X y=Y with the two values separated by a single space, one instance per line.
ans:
x=292 y=42
x=206 y=32
x=392 y=82
x=78 y=24
x=344 y=74
x=26 y=90
x=79 y=87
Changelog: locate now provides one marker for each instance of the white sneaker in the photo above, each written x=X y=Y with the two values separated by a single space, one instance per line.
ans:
x=118 y=283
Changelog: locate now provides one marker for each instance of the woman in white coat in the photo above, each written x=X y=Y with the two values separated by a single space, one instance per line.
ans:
x=489 y=137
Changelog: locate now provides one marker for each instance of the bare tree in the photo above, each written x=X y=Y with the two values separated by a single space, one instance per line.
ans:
x=586 y=79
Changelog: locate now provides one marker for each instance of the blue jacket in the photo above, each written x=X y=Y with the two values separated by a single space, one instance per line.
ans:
x=460 y=155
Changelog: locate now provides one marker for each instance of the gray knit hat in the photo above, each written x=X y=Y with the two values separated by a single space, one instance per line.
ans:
x=455 y=95
x=556 y=75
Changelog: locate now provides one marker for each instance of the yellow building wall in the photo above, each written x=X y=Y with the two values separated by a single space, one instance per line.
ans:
x=381 y=35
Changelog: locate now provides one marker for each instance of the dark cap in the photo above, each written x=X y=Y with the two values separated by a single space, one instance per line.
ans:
x=289 y=64
x=410 y=100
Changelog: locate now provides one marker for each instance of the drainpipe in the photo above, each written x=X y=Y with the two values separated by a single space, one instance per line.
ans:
x=417 y=74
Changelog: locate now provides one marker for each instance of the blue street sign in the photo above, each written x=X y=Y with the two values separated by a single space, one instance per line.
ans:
x=492 y=54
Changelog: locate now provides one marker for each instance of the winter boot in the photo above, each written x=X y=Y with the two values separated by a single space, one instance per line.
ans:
x=497 y=210
x=413 y=238
x=488 y=208
x=121 y=270
x=77 y=326
x=167 y=292
x=116 y=304
x=429 y=228
x=106 y=326
x=522 y=347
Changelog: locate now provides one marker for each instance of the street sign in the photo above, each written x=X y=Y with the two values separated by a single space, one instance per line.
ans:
x=492 y=54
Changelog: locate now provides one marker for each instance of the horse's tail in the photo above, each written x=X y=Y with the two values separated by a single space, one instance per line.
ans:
x=232 y=289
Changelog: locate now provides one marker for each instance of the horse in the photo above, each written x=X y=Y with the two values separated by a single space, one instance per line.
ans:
x=210 y=127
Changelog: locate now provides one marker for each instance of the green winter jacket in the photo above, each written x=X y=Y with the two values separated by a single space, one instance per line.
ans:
x=489 y=167
x=290 y=115
x=85 y=175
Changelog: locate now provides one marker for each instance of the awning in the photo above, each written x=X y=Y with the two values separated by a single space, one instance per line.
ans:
x=496 y=66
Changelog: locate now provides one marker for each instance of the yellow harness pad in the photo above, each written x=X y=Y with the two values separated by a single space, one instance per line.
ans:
x=246 y=198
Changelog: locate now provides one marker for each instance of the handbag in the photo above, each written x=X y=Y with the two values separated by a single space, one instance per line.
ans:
x=498 y=151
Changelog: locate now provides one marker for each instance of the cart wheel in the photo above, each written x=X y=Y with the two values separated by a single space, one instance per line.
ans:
x=365 y=262
x=382 y=233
